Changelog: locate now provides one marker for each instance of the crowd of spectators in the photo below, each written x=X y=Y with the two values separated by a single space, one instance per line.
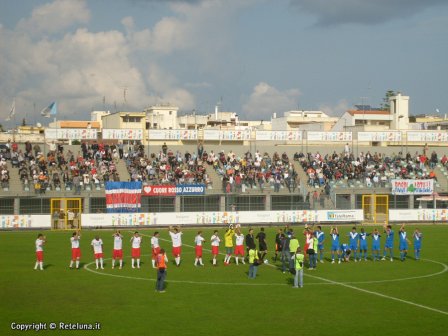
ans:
x=95 y=164
x=166 y=167
x=4 y=174
x=91 y=166
x=254 y=171
x=237 y=172
x=374 y=170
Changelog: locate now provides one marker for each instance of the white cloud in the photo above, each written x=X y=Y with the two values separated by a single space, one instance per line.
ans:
x=51 y=55
x=56 y=16
x=266 y=99
x=337 y=109
x=166 y=88
x=79 y=68
x=365 y=12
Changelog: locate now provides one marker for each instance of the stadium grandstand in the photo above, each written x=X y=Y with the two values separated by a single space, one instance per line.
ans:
x=53 y=177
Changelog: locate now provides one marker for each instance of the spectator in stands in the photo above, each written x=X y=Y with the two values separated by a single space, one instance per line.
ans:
x=77 y=184
x=444 y=160
x=433 y=161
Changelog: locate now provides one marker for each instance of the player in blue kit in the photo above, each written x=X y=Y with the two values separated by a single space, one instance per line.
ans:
x=334 y=235
x=363 y=244
x=418 y=236
x=353 y=243
x=376 y=246
x=345 y=252
x=403 y=247
x=389 y=245
x=320 y=235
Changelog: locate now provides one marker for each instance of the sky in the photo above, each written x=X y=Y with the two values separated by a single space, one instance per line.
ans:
x=253 y=57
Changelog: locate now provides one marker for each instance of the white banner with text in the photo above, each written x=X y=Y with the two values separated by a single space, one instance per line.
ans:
x=278 y=135
x=422 y=136
x=122 y=134
x=329 y=136
x=71 y=133
x=173 y=134
x=379 y=136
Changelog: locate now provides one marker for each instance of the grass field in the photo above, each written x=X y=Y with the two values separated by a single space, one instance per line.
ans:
x=366 y=298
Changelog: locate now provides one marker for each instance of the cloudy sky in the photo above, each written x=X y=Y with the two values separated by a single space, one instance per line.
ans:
x=258 y=56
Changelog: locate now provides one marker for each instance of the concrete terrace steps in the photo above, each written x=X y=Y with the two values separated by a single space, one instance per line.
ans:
x=442 y=177
x=15 y=185
x=122 y=170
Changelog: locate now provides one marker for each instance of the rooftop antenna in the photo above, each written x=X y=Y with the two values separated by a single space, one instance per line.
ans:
x=217 y=106
x=125 y=90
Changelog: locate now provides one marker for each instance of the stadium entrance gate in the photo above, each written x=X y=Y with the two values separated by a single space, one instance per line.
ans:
x=65 y=213
x=376 y=208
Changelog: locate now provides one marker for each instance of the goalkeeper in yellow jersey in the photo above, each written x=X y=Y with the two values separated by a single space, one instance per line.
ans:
x=228 y=243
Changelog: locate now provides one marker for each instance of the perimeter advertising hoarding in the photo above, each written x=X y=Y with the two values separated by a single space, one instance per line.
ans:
x=221 y=217
x=24 y=221
x=418 y=215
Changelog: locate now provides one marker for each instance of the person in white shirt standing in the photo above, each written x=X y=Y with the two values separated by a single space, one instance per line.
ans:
x=136 y=241
x=215 y=240
x=176 y=239
x=97 y=246
x=155 y=248
x=40 y=242
x=76 y=250
x=118 y=249
x=239 y=245
x=198 y=241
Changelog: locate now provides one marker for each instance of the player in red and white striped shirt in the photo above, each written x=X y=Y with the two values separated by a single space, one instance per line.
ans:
x=76 y=250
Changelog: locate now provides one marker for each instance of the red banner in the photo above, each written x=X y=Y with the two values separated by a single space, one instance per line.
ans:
x=159 y=190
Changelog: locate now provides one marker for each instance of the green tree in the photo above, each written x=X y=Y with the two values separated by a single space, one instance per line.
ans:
x=389 y=93
x=1 y=128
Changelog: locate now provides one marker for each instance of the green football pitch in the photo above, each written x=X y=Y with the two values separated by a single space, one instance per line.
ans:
x=365 y=298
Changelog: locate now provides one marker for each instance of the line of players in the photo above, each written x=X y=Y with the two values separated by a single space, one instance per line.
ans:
x=357 y=246
x=285 y=241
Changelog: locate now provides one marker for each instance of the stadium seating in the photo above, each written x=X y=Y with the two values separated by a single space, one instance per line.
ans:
x=367 y=170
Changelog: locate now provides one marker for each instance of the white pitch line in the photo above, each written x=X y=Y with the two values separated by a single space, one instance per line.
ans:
x=327 y=281
x=445 y=269
x=376 y=293
x=86 y=267
x=380 y=295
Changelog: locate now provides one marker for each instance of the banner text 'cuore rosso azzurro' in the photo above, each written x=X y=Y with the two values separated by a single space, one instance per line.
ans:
x=173 y=190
